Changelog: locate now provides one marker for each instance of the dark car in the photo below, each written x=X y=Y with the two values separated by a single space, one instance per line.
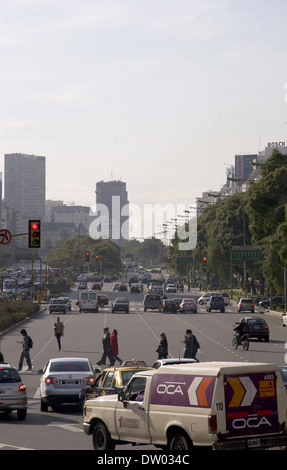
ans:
x=123 y=288
x=246 y=305
x=120 y=304
x=103 y=300
x=257 y=328
x=97 y=286
x=215 y=302
x=168 y=305
x=177 y=302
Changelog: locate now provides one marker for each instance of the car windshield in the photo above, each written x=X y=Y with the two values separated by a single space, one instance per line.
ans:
x=58 y=301
x=9 y=375
x=70 y=366
x=127 y=374
x=121 y=301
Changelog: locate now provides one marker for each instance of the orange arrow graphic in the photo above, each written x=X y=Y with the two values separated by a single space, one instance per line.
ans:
x=200 y=391
x=239 y=392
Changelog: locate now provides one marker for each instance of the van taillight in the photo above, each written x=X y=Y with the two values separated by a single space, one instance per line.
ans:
x=212 y=423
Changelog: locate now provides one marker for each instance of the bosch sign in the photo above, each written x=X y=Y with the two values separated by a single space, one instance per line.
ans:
x=276 y=144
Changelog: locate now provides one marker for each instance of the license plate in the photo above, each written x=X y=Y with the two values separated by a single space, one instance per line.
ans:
x=69 y=382
x=253 y=443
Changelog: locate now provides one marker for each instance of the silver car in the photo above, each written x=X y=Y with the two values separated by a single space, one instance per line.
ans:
x=13 y=394
x=62 y=379
x=188 y=305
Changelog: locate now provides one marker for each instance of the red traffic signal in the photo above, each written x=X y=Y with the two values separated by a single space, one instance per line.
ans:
x=87 y=256
x=34 y=234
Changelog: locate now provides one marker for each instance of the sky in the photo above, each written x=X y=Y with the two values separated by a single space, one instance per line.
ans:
x=160 y=94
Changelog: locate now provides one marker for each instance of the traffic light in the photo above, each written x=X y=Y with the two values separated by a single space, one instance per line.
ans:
x=34 y=233
x=204 y=259
x=87 y=256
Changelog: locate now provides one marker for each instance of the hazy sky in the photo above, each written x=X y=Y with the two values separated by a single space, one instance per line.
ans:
x=159 y=93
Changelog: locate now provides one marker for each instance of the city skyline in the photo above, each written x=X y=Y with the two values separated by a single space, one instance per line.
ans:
x=161 y=94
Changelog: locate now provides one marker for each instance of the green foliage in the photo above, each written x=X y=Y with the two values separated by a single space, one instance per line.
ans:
x=16 y=311
x=257 y=217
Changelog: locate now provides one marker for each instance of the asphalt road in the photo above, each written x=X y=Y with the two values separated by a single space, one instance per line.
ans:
x=139 y=333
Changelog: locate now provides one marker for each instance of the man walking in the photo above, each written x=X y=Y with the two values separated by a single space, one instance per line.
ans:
x=59 y=331
x=107 y=350
x=27 y=342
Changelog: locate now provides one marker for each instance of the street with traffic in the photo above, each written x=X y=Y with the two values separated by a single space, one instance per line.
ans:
x=138 y=337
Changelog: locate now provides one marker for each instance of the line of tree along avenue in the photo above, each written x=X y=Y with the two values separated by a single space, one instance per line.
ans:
x=255 y=217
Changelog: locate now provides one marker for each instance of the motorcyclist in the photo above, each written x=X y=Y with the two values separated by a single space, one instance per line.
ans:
x=241 y=329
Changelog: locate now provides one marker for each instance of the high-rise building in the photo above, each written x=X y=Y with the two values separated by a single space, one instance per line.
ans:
x=243 y=165
x=113 y=210
x=25 y=184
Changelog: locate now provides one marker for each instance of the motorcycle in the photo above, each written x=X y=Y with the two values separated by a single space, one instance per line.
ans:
x=238 y=340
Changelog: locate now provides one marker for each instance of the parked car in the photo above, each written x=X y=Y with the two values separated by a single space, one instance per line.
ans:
x=257 y=328
x=246 y=305
x=215 y=302
x=168 y=305
x=120 y=304
x=111 y=380
x=62 y=379
x=13 y=394
x=188 y=305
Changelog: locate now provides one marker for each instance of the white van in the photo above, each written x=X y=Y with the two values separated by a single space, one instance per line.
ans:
x=88 y=301
x=219 y=405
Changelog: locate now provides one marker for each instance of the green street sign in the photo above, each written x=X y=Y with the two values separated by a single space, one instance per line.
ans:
x=247 y=253
x=184 y=259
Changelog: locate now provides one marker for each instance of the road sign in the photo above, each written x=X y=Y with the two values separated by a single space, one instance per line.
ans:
x=247 y=252
x=5 y=236
x=184 y=259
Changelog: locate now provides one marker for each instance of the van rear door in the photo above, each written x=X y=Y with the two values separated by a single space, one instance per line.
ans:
x=251 y=404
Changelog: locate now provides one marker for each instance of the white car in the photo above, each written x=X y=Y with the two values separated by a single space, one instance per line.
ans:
x=62 y=380
x=170 y=288
x=284 y=319
x=13 y=394
x=203 y=299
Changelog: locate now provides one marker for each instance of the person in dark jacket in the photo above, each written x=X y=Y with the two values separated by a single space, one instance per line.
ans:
x=162 y=348
x=107 y=350
x=191 y=345
x=26 y=351
x=115 y=347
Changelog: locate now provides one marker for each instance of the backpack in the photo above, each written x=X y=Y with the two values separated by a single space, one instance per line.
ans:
x=30 y=343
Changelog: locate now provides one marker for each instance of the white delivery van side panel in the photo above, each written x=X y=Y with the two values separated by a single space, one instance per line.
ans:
x=181 y=400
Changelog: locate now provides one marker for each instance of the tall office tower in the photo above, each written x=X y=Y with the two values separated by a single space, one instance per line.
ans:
x=243 y=166
x=113 y=210
x=25 y=184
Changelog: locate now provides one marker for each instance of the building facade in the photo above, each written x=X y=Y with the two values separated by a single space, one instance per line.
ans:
x=112 y=210
x=25 y=184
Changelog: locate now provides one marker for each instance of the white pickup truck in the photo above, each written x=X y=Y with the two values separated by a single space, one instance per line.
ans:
x=219 y=405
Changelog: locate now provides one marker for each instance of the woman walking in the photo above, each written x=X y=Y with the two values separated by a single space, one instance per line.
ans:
x=162 y=348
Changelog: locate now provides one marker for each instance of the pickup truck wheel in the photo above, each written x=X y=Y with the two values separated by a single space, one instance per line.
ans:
x=180 y=441
x=102 y=439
